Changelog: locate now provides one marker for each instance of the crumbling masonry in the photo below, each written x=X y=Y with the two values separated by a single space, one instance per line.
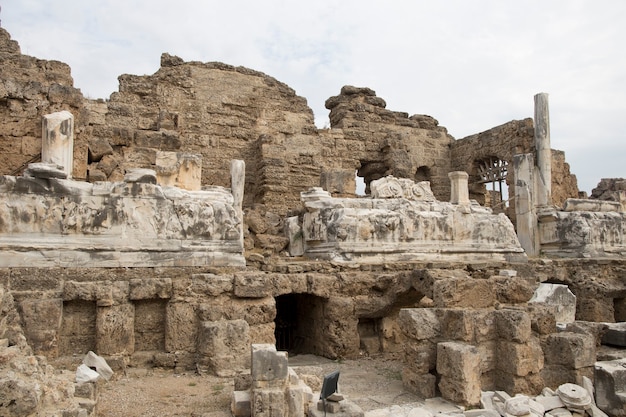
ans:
x=199 y=210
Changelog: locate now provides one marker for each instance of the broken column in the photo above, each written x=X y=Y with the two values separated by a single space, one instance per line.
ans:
x=543 y=151
x=57 y=144
x=459 y=192
x=525 y=213
x=237 y=184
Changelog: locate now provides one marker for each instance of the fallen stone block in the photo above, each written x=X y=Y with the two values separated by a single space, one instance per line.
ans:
x=615 y=334
x=240 y=404
x=610 y=385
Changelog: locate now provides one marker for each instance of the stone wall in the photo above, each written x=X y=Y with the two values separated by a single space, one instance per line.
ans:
x=29 y=89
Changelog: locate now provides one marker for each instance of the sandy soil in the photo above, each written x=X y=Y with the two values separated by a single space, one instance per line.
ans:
x=370 y=382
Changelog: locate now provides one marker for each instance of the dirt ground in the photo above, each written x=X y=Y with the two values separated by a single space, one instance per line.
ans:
x=370 y=382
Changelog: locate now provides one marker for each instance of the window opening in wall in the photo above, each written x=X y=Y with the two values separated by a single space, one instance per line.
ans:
x=619 y=309
x=492 y=172
x=78 y=328
x=360 y=184
x=422 y=174
x=371 y=171
x=150 y=325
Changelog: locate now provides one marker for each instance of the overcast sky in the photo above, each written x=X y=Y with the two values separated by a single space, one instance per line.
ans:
x=471 y=64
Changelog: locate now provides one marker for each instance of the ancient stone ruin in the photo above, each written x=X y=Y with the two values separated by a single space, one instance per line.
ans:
x=199 y=220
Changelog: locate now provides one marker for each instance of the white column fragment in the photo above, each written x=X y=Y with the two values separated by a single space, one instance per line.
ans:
x=237 y=184
x=525 y=212
x=459 y=191
x=57 y=142
x=543 y=151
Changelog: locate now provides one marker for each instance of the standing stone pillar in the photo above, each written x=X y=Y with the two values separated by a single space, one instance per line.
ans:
x=543 y=151
x=237 y=183
x=57 y=144
x=525 y=212
x=459 y=192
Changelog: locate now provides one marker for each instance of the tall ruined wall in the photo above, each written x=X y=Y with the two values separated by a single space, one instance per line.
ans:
x=219 y=112
x=29 y=89
x=380 y=142
x=503 y=142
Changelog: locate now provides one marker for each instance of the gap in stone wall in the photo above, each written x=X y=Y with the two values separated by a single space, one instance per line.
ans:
x=619 y=307
x=78 y=328
x=369 y=334
x=150 y=325
x=299 y=318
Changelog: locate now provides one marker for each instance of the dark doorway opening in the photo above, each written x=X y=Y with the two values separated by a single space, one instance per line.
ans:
x=298 y=324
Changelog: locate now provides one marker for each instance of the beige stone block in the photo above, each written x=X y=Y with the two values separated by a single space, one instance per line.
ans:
x=224 y=346
x=181 y=324
x=419 y=323
x=150 y=288
x=211 y=284
x=269 y=365
x=458 y=360
x=513 y=325
x=115 y=328
x=520 y=359
x=422 y=384
x=455 y=292
x=572 y=350
x=269 y=402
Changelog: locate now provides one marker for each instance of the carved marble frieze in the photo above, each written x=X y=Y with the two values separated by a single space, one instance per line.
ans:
x=59 y=222
x=407 y=224
x=581 y=232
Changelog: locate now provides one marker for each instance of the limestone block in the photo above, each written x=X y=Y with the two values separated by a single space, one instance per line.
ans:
x=211 y=284
x=296 y=401
x=98 y=148
x=574 y=350
x=419 y=323
x=555 y=375
x=73 y=290
x=180 y=327
x=41 y=321
x=473 y=326
x=422 y=384
x=513 y=325
x=178 y=169
x=520 y=359
x=269 y=402
x=115 y=326
x=459 y=367
x=610 y=385
x=580 y=204
x=514 y=290
x=269 y=367
x=263 y=333
x=542 y=318
x=223 y=346
x=559 y=296
x=615 y=334
x=475 y=293
x=251 y=285
x=240 y=404
x=20 y=397
x=150 y=288
x=530 y=384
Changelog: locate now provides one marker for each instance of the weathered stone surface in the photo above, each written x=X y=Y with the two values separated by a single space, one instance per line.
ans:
x=121 y=225
x=573 y=350
x=224 y=346
x=181 y=327
x=610 y=384
x=269 y=367
x=420 y=324
x=379 y=230
x=476 y=293
x=520 y=359
x=459 y=367
x=513 y=325
x=116 y=330
x=560 y=297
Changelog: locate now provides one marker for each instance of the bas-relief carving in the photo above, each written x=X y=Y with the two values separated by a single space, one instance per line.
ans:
x=399 y=228
x=582 y=233
x=58 y=222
